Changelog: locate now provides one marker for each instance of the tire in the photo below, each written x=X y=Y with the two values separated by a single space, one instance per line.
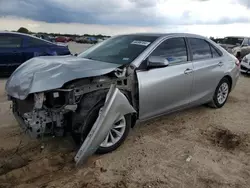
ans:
x=221 y=95
x=84 y=120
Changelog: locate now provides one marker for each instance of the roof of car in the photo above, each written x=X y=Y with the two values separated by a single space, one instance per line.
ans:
x=23 y=34
x=168 y=34
x=16 y=33
x=144 y=34
x=236 y=37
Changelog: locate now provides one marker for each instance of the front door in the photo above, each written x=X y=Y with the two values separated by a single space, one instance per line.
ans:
x=166 y=89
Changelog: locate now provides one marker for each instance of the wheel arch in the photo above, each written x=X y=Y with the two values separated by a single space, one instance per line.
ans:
x=99 y=95
x=230 y=81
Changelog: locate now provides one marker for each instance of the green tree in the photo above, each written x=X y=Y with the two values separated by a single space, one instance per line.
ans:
x=23 y=30
x=212 y=38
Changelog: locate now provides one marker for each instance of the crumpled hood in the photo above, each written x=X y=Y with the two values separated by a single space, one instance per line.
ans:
x=51 y=72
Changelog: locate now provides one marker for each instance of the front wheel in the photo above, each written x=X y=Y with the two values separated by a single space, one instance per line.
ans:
x=116 y=135
x=221 y=94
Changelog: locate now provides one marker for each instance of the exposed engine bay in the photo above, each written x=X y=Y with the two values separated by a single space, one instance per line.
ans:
x=48 y=113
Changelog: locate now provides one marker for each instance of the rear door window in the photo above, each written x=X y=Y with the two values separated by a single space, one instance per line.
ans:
x=174 y=50
x=10 y=41
x=200 y=49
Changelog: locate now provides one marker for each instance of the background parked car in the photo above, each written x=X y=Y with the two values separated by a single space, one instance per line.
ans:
x=87 y=40
x=92 y=40
x=61 y=39
x=238 y=46
x=16 y=48
x=69 y=39
x=245 y=64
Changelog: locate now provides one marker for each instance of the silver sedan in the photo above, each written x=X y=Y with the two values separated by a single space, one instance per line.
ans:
x=150 y=75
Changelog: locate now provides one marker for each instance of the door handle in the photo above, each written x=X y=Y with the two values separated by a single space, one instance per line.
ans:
x=220 y=64
x=187 y=71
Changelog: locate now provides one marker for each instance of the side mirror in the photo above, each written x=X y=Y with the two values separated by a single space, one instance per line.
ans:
x=157 y=62
x=75 y=54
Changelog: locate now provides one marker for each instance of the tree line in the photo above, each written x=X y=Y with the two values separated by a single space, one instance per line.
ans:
x=25 y=30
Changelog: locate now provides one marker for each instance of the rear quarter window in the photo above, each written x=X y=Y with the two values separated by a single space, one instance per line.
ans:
x=215 y=52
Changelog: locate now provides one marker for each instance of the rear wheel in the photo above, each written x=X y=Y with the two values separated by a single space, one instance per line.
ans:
x=221 y=94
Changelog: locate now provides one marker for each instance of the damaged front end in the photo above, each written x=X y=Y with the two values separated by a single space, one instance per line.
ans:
x=50 y=113
x=39 y=117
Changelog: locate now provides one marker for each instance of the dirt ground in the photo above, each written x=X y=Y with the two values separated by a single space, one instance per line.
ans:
x=196 y=148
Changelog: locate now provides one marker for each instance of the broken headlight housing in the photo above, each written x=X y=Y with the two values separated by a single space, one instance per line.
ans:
x=55 y=99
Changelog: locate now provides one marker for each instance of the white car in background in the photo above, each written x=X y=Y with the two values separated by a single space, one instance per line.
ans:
x=245 y=64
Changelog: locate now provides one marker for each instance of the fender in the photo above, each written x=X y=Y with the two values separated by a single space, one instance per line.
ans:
x=116 y=104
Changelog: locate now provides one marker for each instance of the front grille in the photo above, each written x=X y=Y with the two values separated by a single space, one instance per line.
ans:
x=243 y=68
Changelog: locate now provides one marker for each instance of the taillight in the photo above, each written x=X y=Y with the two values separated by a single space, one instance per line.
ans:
x=237 y=62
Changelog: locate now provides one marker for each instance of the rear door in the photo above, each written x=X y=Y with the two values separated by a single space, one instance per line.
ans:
x=10 y=52
x=208 y=69
x=166 y=89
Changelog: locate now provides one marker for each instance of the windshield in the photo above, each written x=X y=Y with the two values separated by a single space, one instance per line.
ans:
x=233 y=40
x=119 y=50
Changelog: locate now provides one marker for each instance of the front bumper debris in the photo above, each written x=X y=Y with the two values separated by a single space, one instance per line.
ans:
x=18 y=112
x=36 y=122
x=23 y=126
x=116 y=104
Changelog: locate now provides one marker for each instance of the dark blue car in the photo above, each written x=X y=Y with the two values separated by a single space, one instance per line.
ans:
x=16 y=48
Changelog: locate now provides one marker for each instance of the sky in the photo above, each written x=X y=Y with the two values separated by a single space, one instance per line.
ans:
x=206 y=17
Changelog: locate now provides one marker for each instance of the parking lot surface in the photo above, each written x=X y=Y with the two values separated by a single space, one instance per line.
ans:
x=200 y=147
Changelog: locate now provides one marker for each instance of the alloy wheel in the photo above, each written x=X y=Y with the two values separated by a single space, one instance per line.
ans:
x=222 y=93
x=116 y=133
